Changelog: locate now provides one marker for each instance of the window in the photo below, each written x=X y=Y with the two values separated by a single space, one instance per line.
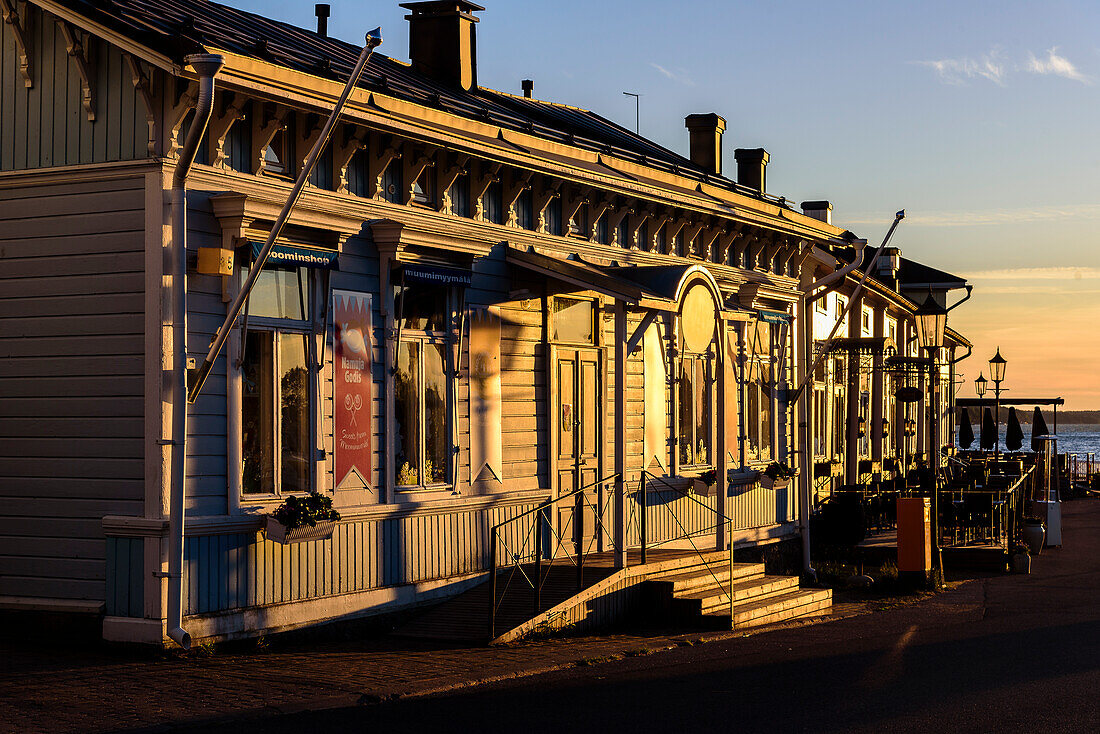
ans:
x=422 y=387
x=238 y=142
x=572 y=321
x=821 y=305
x=643 y=236
x=759 y=389
x=678 y=243
x=602 y=235
x=695 y=408
x=392 y=179
x=279 y=153
x=492 y=202
x=553 y=216
x=423 y=188
x=525 y=210
x=321 y=175
x=358 y=174
x=460 y=196
x=820 y=435
x=622 y=233
x=277 y=386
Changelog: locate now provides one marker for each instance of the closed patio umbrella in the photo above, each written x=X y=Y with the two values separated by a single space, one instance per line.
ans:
x=1038 y=428
x=1014 y=436
x=989 y=431
x=966 y=431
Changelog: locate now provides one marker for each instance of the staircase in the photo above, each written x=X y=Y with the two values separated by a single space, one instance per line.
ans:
x=702 y=592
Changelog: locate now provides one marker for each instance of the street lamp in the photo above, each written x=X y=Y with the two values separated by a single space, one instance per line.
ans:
x=931 y=325
x=997 y=372
x=979 y=385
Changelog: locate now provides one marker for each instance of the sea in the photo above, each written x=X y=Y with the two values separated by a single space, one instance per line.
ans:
x=1073 y=438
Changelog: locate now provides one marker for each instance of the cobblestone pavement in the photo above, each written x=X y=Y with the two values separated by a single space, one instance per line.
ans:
x=44 y=688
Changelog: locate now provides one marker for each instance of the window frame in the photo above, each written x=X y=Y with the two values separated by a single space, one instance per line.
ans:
x=707 y=361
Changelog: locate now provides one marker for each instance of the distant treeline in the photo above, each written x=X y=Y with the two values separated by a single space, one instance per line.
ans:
x=1085 y=417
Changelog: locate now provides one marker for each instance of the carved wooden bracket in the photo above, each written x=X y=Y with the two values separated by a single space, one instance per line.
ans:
x=178 y=114
x=263 y=132
x=725 y=241
x=633 y=226
x=377 y=165
x=219 y=126
x=691 y=231
x=144 y=88
x=447 y=177
x=80 y=56
x=613 y=220
x=416 y=167
x=542 y=200
x=705 y=242
x=672 y=231
x=521 y=181
x=490 y=174
x=342 y=154
x=595 y=211
x=11 y=17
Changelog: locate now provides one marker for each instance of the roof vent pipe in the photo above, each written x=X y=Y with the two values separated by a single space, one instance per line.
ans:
x=206 y=66
x=528 y=86
x=752 y=165
x=323 y=11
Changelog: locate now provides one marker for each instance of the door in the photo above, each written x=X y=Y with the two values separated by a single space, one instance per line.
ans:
x=577 y=398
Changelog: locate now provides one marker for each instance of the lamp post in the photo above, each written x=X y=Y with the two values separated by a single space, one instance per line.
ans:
x=931 y=325
x=997 y=373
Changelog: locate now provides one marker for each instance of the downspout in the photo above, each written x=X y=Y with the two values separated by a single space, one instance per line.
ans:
x=206 y=66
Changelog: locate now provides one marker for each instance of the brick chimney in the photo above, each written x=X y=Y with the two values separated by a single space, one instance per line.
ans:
x=443 y=42
x=705 y=131
x=752 y=164
x=820 y=210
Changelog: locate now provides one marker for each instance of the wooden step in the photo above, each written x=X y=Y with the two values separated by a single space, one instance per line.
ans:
x=717 y=599
x=778 y=608
x=702 y=577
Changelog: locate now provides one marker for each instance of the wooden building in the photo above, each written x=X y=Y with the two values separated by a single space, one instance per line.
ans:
x=481 y=300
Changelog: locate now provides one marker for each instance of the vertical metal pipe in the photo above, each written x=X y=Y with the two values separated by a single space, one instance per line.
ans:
x=538 y=559
x=493 y=539
x=579 y=513
x=206 y=66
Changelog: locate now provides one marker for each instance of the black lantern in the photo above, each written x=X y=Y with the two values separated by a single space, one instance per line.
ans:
x=997 y=367
x=979 y=385
x=931 y=323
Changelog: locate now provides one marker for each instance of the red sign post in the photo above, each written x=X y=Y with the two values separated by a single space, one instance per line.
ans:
x=351 y=383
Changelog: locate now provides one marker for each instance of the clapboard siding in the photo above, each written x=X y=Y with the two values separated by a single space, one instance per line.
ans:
x=47 y=125
x=238 y=570
x=71 y=378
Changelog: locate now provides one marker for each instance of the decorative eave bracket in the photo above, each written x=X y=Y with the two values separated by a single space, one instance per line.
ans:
x=79 y=54
x=11 y=17
x=144 y=88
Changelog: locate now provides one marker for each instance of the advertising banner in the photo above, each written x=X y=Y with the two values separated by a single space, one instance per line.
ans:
x=351 y=389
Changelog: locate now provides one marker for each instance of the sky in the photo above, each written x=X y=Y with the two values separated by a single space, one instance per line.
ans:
x=977 y=118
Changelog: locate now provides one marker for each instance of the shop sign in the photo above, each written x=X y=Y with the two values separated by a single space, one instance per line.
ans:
x=351 y=381
x=301 y=257
x=435 y=275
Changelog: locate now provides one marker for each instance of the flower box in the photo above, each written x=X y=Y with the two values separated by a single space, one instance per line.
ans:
x=777 y=484
x=277 y=532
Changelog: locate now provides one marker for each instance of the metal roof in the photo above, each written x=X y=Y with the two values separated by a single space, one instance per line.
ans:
x=179 y=27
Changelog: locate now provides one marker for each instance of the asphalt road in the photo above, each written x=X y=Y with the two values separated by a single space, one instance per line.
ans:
x=1002 y=654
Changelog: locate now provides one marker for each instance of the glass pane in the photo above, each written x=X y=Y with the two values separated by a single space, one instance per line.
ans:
x=766 y=432
x=572 y=320
x=274 y=153
x=752 y=415
x=280 y=293
x=421 y=307
x=436 y=439
x=687 y=422
x=406 y=406
x=702 y=413
x=294 y=421
x=257 y=414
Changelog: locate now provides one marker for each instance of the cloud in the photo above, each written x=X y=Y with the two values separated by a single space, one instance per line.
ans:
x=1046 y=273
x=914 y=218
x=959 y=71
x=1055 y=65
x=679 y=75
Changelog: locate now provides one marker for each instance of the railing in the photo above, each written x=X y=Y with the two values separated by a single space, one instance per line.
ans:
x=1005 y=507
x=720 y=520
x=532 y=552
x=1080 y=468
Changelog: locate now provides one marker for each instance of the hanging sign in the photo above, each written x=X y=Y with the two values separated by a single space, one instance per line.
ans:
x=302 y=257
x=351 y=389
x=485 y=445
x=435 y=275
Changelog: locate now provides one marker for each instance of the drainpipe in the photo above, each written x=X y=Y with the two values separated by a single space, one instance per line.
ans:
x=206 y=66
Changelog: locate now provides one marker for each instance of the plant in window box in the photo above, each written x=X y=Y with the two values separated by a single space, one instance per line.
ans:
x=777 y=476
x=302 y=518
x=826 y=468
x=704 y=484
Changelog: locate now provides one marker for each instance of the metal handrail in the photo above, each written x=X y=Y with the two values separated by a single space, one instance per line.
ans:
x=580 y=500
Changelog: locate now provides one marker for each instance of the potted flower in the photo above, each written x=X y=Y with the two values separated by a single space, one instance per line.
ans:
x=1021 y=559
x=704 y=483
x=776 y=476
x=1033 y=533
x=302 y=518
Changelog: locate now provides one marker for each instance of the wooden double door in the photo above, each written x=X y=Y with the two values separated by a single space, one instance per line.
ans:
x=577 y=398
